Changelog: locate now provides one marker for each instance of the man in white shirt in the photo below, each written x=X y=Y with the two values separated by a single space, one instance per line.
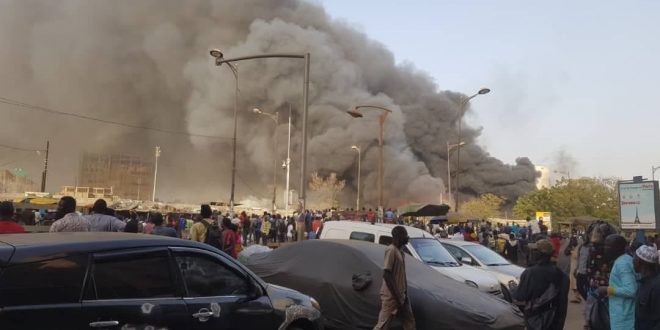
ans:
x=100 y=221
x=69 y=219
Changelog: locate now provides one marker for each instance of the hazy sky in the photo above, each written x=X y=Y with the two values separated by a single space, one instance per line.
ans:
x=578 y=76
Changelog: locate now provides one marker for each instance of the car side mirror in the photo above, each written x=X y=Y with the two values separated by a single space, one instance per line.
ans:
x=467 y=260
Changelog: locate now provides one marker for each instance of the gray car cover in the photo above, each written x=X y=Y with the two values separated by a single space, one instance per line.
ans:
x=329 y=269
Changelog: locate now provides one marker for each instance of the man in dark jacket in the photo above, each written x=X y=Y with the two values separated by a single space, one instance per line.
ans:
x=544 y=291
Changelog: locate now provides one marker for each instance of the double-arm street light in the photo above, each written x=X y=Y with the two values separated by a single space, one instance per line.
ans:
x=359 y=171
x=357 y=114
x=461 y=112
x=219 y=60
x=450 y=147
x=276 y=119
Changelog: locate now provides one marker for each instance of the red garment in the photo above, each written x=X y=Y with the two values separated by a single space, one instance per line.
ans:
x=10 y=227
x=315 y=225
x=556 y=243
x=229 y=242
x=370 y=216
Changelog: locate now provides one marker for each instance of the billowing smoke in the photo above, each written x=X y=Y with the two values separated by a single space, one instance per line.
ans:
x=146 y=63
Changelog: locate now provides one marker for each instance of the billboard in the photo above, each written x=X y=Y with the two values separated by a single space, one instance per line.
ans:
x=638 y=202
x=545 y=216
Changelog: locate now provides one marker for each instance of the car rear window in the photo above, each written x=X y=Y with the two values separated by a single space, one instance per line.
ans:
x=360 y=236
x=55 y=281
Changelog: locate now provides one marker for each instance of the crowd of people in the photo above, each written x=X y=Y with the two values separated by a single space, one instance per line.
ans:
x=618 y=279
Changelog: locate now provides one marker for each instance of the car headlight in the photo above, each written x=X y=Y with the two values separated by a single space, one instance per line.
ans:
x=315 y=303
x=472 y=284
x=512 y=285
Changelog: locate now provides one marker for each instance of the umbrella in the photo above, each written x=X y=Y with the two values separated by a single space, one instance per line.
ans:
x=429 y=210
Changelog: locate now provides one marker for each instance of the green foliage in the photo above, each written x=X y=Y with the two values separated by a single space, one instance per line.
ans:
x=486 y=206
x=594 y=197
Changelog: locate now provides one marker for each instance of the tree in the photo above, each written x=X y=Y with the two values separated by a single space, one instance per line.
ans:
x=486 y=206
x=329 y=186
x=596 y=197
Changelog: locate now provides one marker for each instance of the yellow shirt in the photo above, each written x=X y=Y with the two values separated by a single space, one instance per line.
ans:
x=198 y=231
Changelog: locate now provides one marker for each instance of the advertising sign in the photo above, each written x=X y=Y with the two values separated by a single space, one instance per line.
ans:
x=638 y=204
x=545 y=216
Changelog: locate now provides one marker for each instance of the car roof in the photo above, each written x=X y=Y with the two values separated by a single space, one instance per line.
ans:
x=457 y=242
x=412 y=231
x=17 y=248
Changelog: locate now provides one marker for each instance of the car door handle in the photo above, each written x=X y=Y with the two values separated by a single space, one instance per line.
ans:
x=104 y=324
x=202 y=315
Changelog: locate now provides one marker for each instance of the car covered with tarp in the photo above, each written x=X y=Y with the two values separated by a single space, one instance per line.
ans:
x=346 y=277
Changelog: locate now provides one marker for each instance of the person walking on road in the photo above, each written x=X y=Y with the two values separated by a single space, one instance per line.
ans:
x=394 y=290
x=68 y=219
x=544 y=291
x=622 y=288
x=648 y=296
x=7 y=223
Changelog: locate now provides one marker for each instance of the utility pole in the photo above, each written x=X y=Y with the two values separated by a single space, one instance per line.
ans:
x=44 y=174
x=288 y=166
x=157 y=154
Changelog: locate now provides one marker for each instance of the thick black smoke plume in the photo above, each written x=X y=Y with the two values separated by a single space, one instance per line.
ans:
x=146 y=62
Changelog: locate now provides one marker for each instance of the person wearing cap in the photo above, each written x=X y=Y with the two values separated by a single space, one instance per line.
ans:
x=645 y=262
x=543 y=289
x=622 y=288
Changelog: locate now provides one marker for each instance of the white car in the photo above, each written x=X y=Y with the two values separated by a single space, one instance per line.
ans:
x=480 y=256
x=422 y=246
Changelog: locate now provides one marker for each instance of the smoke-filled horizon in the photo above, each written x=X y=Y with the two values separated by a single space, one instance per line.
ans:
x=147 y=63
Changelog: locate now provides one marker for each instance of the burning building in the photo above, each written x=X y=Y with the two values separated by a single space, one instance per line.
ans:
x=128 y=176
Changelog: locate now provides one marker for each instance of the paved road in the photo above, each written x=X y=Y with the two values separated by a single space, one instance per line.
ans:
x=574 y=318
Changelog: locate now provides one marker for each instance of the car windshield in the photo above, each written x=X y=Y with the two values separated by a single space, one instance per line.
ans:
x=432 y=252
x=486 y=256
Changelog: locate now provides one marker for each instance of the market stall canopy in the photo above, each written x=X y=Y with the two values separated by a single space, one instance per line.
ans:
x=428 y=210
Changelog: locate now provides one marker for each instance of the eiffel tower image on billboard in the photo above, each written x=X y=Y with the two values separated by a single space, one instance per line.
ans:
x=637 y=216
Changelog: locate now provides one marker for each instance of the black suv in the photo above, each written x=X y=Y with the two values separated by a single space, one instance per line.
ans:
x=132 y=281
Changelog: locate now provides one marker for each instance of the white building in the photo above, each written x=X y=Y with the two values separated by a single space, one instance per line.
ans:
x=543 y=181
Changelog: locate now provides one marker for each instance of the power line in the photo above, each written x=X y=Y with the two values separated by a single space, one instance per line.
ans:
x=19 y=149
x=19 y=104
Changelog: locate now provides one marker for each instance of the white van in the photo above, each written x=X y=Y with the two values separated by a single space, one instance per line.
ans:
x=422 y=246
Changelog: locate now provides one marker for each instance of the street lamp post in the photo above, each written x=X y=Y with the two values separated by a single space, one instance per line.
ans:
x=157 y=154
x=359 y=172
x=276 y=118
x=355 y=113
x=461 y=110
x=288 y=166
x=218 y=61
x=303 y=146
x=449 y=149
x=653 y=169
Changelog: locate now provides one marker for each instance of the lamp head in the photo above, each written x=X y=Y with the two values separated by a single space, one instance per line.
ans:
x=216 y=53
x=354 y=147
x=257 y=110
x=484 y=91
x=461 y=144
